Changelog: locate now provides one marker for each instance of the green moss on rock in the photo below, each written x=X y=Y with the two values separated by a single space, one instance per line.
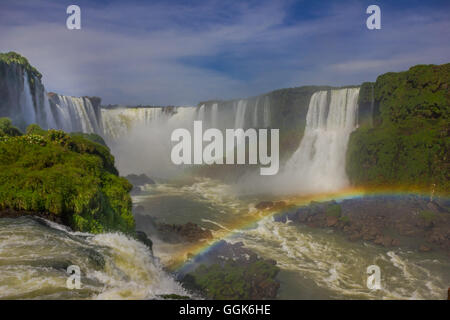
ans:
x=70 y=177
x=13 y=57
x=234 y=280
x=7 y=129
x=409 y=142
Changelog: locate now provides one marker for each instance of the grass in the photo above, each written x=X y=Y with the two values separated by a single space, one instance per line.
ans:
x=67 y=176
x=409 y=143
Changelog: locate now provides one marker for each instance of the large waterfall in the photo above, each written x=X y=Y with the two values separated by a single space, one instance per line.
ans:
x=26 y=101
x=140 y=136
x=29 y=106
x=76 y=114
x=118 y=122
x=243 y=113
x=319 y=162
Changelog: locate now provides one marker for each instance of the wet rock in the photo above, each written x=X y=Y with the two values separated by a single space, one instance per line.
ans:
x=263 y=205
x=332 y=221
x=369 y=219
x=424 y=248
x=139 y=180
x=189 y=232
x=231 y=271
x=142 y=237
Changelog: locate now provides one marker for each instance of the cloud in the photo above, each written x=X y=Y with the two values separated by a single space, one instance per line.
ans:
x=174 y=53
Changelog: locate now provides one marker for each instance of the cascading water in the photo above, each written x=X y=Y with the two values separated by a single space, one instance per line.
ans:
x=34 y=257
x=27 y=111
x=319 y=162
x=241 y=108
x=255 y=114
x=120 y=121
x=214 y=115
x=266 y=112
x=76 y=114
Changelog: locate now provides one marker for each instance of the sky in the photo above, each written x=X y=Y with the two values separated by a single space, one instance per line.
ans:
x=182 y=52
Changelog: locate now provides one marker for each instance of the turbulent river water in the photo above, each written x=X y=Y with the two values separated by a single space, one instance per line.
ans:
x=315 y=264
x=35 y=255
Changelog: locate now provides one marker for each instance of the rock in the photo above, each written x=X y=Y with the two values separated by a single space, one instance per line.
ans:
x=367 y=219
x=332 y=221
x=142 y=237
x=263 y=205
x=231 y=271
x=139 y=180
x=424 y=248
x=189 y=232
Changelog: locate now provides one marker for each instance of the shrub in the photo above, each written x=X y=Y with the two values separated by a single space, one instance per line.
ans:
x=7 y=129
x=333 y=210
x=65 y=176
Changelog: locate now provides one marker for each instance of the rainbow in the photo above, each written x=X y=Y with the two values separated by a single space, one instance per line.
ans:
x=188 y=254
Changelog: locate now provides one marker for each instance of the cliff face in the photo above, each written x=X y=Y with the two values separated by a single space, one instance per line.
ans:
x=283 y=109
x=25 y=101
x=16 y=77
x=408 y=142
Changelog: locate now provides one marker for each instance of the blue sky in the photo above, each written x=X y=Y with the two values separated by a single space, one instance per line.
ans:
x=181 y=52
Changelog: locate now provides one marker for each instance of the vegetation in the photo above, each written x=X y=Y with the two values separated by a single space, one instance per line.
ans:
x=64 y=175
x=334 y=210
x=7 y=129
x=408 y=145
x=427 y=215
x=13 y=57
x=233 y=280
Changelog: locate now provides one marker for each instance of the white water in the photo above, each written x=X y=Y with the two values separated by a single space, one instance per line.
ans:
x=241 y=108
x=26 y=102
x=120 y=122
x=214 y=115
x=319 y=162
x=266 y=112
x=49 y=118
x=337 y=267
x=77 y=114
x=34 y=258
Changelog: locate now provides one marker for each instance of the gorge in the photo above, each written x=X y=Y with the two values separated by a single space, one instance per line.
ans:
x=335 y=143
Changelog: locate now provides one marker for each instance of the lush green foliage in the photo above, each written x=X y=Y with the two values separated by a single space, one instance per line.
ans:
x=89 y=136
x=232 y=280
x=7 y=129
x=68 y=176
x=334 y=210
x=13 y=57
x=409 y=143
x=427 y=215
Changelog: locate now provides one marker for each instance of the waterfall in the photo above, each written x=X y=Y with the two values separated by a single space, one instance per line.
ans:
x=27 y=111
x=255 y=114
x=76 y=114
x=49 y=118
x=27 y=102
x=120 y=121
x=241 y=108
x=266 y=112
x=319 y=162
x=214 y=115
x=201 y=113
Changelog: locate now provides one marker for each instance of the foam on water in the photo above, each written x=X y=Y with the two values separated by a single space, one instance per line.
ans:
x=34 y=256
x=339 y=267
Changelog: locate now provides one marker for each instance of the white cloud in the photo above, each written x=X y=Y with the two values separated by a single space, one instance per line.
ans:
x=138 y=53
